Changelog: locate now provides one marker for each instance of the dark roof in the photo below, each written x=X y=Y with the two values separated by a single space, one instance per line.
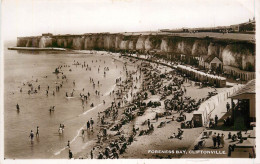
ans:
x=210 y=58
x=249 y=88
x=204 y=57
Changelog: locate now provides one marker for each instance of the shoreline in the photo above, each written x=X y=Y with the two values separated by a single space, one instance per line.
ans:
x=37 y=49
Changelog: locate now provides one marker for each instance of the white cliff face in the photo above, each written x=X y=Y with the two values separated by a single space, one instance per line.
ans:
x=229 y=58
x=118 y=42
x=213 y=49
x=35 y=42
x=89 y=43
x=29 y=43
x=199 y=48
x=140 y=45
x=61 y=42
x=131 y=45
x=164 y=46
x=21 y=42
x=180 y=47
x=147 y=44
x=240 y=55
x=78 y=43
x=45 y=41
x=124 y=45
x=247 y=60
x=107 y=42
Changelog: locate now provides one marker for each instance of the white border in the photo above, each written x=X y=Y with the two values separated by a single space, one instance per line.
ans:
x=138 y=161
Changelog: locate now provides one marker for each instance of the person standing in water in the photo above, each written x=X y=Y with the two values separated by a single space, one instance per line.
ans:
x=83 y=135
x=60 y=131
x=37 y=132
x=31 y=135
x=18 y=107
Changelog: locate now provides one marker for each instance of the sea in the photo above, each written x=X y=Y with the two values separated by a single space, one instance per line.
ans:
x=36 y=68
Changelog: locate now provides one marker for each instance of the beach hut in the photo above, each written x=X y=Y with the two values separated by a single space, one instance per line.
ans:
x=245 y=109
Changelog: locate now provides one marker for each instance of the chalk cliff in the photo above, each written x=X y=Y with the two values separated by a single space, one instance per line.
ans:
x=240 y=54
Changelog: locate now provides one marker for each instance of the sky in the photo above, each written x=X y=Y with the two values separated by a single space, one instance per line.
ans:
x=34 y=17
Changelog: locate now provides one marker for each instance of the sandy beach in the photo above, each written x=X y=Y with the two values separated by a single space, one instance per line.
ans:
x=156 y=139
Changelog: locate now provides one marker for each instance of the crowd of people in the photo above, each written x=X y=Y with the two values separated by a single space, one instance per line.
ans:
x=128 y=102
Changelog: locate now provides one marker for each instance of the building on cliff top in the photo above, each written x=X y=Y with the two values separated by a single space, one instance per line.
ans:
x=47 y=34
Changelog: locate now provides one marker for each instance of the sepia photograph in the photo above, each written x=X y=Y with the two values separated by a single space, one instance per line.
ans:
x=128 y=79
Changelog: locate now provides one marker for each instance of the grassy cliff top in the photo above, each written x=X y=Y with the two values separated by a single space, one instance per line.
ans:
x=226 y=36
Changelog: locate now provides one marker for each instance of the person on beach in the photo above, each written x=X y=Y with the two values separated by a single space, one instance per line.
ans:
x=100 y=155
x=70 y=154
x=172 y=136
x=91 y=123
x=37 y=132
x=156 y=116
x=82 y=133
x=31 y=135
x=88 y=125
x=218 y=140
x=17 y=107
x=91 y=154
x=228 y=106
x=148 y=123
x=216 y=120
x=68 y=145
x=214 y=139
x=222 y=140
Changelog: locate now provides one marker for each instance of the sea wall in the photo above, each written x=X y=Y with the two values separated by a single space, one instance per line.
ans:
x=239 y=54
